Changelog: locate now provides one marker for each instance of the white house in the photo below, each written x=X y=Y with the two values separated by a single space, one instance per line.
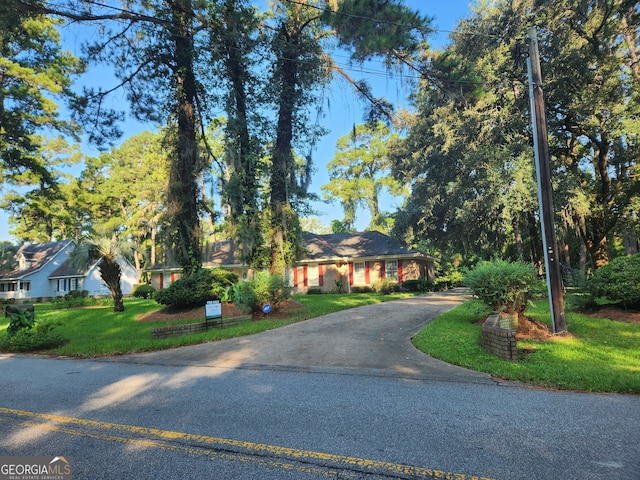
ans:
x=44 y=271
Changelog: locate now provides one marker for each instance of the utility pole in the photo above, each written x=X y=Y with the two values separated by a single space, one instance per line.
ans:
x=545 y=192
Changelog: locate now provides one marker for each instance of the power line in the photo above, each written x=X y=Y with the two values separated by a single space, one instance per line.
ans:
x=396 y=24
x=385 y=73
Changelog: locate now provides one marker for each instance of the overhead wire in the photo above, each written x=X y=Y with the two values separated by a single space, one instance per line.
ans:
x=383 y=73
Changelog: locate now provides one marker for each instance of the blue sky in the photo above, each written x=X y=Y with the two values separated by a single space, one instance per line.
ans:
x=346 y=110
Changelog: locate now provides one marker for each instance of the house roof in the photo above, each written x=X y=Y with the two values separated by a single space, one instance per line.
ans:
x=37 y=255
x=355 y=245
x=67 y=269
x=328 y=247
x=222 y=252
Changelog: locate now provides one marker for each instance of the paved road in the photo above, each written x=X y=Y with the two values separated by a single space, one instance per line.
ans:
x=369 y=340
x=342 y=396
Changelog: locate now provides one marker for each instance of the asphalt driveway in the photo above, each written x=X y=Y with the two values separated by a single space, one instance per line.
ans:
x=369 y=340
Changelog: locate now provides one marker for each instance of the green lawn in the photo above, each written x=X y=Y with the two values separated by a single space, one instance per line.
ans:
x=98 y=331
x=602 y=355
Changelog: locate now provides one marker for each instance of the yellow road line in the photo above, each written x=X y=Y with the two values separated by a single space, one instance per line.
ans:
x=250 y=448
x=189 y=450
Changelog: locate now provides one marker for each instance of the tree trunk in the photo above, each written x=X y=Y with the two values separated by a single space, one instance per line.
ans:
x=518 y=238
x=630 y=241
x=110 y=272
x=583 y=259
x=536 y=243
x=183 y=189
x=152 y=255
x=241 y=189
x=598 y=250
x=630 y=38
x=282 y=157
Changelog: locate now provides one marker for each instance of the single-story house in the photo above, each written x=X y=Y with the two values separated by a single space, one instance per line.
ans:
x=219 y=254
x=353 y=259
x=346 y=260
x=45 y=271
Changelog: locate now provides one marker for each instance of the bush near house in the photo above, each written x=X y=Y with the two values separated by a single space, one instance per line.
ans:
x=502 y=285
x=386 y=286
x=198 y=288
x=143 y=291
x=617 y=282
x=263 y=288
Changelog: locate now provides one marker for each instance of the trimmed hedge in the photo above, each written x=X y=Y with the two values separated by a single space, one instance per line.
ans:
x=503 y=286
x=143 y=291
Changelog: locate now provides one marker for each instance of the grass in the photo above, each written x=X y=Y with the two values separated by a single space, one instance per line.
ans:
x=601 y=356
x=98 y=331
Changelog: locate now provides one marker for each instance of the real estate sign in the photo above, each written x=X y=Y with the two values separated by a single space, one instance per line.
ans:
x=213 y=309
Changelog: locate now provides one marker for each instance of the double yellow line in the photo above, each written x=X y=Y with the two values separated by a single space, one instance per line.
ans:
x=222 y=448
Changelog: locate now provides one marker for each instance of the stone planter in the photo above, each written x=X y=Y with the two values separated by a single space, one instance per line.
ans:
x=508 y=320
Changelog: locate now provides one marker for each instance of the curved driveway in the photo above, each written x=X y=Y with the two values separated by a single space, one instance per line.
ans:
x=369 y=340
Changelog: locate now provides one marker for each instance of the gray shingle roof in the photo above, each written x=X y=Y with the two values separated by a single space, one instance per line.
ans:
x=38 y=254
x=223 y=252
x=67 y=269
x=355 y=245
x=331 y=246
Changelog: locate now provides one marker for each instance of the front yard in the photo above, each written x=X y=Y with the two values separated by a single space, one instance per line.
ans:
x=98 y=331
x=598 y=355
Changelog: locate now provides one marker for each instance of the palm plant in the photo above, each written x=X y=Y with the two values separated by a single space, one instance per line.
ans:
x=107 y=251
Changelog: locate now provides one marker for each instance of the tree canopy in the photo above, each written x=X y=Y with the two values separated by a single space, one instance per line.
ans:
x=35 y=74
x=468 y=155
x=237 y=92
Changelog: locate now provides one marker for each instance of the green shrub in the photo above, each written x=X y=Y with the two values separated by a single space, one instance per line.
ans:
x=385 y=286
x=503 y=286
x=80 y=300
x=143 y=291
x=22 y=320
x=419 y=285
x=452 y=279
x=314 y=291
x=361 y=289
x=411 y=285
x=425 y=285
x=75 y=294
x=40 y=337
x=196 y=289
x=263 y=288
x=618 y=281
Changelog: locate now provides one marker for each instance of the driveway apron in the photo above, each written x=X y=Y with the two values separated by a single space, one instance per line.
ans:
x=370 y=340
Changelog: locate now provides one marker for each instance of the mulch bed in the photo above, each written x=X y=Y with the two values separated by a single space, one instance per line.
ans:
x=616 y=314
x=228 y=311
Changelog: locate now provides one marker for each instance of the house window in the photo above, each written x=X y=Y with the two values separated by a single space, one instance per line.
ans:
x=64 y=284
x=358 y=273
x=391 y=269
x=25 y=286
x=313 y=276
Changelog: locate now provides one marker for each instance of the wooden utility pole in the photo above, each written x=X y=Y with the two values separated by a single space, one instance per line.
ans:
x=545 y=192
